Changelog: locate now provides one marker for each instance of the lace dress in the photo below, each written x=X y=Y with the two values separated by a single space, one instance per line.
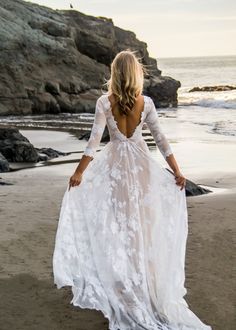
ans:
x=121 y=237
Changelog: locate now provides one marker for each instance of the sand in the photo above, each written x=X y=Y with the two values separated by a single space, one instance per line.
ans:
x=29 y=211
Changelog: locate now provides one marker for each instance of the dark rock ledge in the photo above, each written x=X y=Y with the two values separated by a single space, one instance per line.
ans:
x=54 y=61
x=218 y=88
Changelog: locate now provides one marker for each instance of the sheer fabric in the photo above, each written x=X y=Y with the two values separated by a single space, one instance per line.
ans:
x=149 y=116
x=121 y=237
x=97 y=129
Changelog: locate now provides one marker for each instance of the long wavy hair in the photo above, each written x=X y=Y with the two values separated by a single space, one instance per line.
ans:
x=126 y=81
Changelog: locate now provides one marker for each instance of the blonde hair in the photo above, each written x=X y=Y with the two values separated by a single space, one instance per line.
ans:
x=127 y=78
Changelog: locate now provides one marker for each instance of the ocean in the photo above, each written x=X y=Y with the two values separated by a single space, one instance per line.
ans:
x=197 y=71
x=216 y=110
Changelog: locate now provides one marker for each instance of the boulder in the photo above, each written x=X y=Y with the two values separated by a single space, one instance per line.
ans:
x=15 y=147
x=193 y=189
x=49 y=153
x=163 y=91
x=4 y=165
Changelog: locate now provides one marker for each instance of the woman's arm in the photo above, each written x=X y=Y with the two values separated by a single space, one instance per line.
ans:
x=93 y=143
x=153 y=123
x=173 y=163
x=179 y=178
x=163 y=144
x=84 y=161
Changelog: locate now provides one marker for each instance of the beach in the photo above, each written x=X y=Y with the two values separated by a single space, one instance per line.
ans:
x=29 y=210
x=201 y=132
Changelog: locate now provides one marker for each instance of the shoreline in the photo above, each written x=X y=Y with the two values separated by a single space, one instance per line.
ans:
x=66 y=140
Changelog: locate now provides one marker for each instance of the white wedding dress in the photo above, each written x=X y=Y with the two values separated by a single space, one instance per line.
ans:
x=121 y=237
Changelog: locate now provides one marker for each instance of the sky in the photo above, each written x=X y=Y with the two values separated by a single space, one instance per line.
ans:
x=171 y=28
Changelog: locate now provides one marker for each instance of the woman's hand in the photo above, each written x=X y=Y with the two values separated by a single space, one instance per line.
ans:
x=180 y=180
x=75 y=180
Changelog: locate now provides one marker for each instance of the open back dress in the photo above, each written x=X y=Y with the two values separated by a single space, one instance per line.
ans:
x=121 y=237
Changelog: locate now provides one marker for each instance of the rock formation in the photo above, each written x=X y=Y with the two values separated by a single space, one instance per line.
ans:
x=193 y=189
x=14 y=147
x=219 y=88
x=54 y=61
x=4 y=165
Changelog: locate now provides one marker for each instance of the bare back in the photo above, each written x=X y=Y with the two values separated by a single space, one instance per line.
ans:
x=127 y=123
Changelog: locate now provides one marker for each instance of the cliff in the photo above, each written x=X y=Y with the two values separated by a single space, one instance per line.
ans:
x=55 y=61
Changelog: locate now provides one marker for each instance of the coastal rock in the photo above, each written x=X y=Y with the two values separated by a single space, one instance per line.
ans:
x=49 y=153
x=220 y=88
x=43 y=103
x=54 y=61
x=105 y=135
x=52 y=88
x=163 y=90
x=15 y=147
x=191 y=188
x=4 y=165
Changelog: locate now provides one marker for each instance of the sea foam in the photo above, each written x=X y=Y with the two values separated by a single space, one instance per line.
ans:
x=224 y=99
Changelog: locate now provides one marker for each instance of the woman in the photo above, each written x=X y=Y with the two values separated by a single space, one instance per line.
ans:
x=122 y=231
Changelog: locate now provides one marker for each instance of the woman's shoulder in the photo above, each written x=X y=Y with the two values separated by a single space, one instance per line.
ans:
x=148 y=101
x=148 y=98
x=103 y=97
x=103 y=101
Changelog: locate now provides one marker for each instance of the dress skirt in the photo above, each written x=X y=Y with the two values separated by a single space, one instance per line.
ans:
x=121 y=241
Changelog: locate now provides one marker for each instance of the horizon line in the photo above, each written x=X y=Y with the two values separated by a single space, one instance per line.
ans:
x=194 y=56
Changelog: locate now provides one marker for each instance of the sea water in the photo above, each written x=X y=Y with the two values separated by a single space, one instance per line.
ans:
x=216 y=110
x=202 y=129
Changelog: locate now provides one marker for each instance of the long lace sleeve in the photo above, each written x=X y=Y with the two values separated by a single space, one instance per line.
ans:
x=97 y=129
x=156 y=131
